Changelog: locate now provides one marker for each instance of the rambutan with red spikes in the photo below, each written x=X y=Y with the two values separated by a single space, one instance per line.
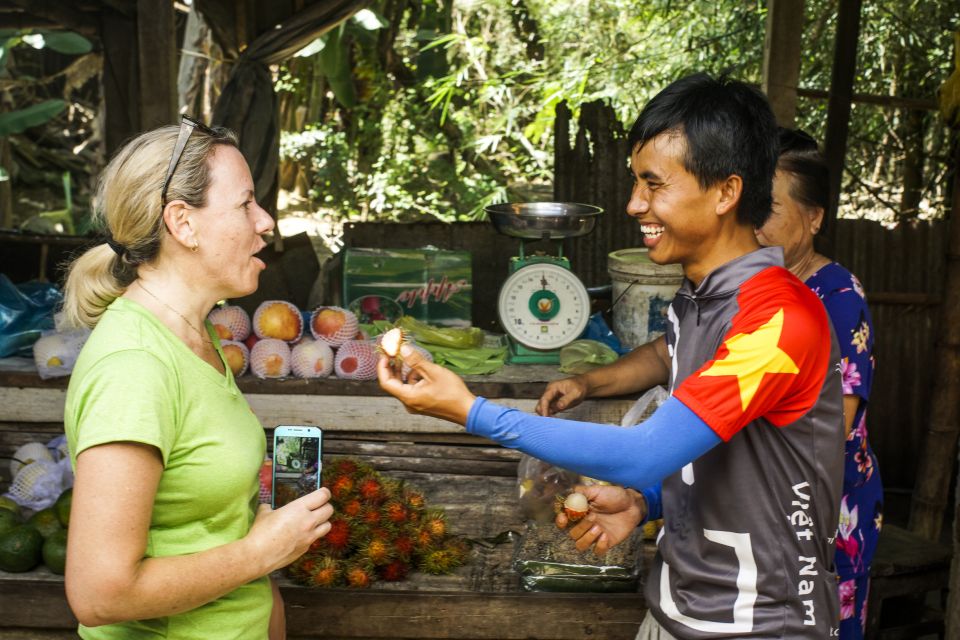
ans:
x=352 y=508
x=394 y=571
x=445 y=558
x=371 y=516
x=396 y=511
x=341 y=487
x=359 y=575
x=414 y=499
x=343 y=466
x=337 y=540
x=371 y=489
x=302 y=568
x=404 y=546
x=436 y=524
x=377 y=551
x=328 y=572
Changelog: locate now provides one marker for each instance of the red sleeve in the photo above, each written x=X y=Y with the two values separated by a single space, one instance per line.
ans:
x=772 y=362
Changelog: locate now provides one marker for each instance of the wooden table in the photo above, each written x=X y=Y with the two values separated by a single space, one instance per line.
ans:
x=471 y=478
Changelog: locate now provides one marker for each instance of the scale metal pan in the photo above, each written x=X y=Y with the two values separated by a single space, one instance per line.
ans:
x=543 y=220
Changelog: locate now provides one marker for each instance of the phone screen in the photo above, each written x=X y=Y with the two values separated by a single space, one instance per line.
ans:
x=296 y=464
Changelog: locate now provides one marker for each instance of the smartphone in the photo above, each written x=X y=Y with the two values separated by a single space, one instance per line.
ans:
x=296 y=463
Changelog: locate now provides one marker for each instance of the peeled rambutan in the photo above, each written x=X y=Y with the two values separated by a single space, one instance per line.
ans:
x=270 y=358
x=333 y=325
x=313 y=359
x=359 y=575
x=230 y=322
x=356 y=360
x=394 y=571
x=278 y=319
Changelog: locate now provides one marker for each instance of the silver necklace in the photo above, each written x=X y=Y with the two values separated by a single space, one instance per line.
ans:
x=204 y=338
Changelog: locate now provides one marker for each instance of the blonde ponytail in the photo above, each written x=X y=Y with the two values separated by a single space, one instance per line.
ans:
x=127 y=207
x=91 y=286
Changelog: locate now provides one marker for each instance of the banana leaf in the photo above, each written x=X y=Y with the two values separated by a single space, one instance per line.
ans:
x=22 y=119
x=66 y=42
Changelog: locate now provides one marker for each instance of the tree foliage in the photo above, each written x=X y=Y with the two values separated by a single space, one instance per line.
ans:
x=436 y=108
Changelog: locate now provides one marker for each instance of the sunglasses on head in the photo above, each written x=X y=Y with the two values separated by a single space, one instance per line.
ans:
x=187 y=125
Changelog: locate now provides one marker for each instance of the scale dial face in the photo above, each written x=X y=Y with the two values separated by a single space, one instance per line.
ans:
x=543 y=306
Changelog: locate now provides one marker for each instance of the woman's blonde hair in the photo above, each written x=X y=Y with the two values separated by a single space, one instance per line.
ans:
x=127 y=207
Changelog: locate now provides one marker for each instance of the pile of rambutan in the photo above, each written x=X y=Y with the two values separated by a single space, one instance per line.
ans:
x=381 y=530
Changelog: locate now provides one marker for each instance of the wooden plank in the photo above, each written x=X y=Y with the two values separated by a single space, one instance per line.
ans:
x=344 y=614
x=781 y=58
x=838 y=106
x=158 y=63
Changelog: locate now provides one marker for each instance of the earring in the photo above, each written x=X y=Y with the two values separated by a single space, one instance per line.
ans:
x=195 y=247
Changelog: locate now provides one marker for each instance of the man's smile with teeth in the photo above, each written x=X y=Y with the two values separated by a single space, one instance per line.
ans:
x=651 y=230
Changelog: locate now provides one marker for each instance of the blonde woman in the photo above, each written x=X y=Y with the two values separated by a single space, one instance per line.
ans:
x=166 y=538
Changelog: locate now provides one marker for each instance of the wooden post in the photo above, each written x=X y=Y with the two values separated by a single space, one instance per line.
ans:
x=838 y=106
x=121 y=87
x=6 y=191
x=940 y=444
x=157 y=62
x=781 y=58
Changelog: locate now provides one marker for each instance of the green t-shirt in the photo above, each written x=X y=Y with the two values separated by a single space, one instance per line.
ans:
x=135 y=381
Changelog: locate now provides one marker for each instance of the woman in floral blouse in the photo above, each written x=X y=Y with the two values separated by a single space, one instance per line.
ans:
x=800 y=197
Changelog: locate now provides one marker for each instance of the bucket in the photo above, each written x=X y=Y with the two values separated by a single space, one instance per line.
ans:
x=642 y=292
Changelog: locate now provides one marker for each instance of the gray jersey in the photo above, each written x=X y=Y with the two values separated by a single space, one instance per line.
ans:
x=748 y=543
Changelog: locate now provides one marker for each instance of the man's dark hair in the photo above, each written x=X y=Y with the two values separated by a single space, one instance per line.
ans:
x=728 y=129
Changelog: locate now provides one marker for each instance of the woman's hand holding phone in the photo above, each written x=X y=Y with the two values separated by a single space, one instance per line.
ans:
x=280 y=536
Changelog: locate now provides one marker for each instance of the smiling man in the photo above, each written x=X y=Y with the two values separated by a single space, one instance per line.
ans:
x=745 y=459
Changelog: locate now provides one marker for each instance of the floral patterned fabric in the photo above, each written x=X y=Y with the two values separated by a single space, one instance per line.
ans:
x=861 y=508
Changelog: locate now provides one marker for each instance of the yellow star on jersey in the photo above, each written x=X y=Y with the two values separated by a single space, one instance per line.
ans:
x=751 y=355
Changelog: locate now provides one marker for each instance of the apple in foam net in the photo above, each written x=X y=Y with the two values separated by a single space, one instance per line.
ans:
x=278 y=319
x=356 y=360
x=333 y=325
x=230 y=322
x=270 y=358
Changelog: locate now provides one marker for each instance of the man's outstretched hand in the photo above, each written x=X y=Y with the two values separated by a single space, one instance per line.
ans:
x=614 y=513
x=430 y=389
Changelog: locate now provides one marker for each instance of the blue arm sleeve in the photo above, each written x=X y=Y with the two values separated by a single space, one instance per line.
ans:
x=653 y=497
x=637 y=457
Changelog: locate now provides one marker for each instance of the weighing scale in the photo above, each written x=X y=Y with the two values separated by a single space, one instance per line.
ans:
x=542 y=305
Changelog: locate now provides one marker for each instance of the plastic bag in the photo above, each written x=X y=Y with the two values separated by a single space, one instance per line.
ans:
x=581 y=356
x=26 y=310
x=469 y=338
x=598 y=329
